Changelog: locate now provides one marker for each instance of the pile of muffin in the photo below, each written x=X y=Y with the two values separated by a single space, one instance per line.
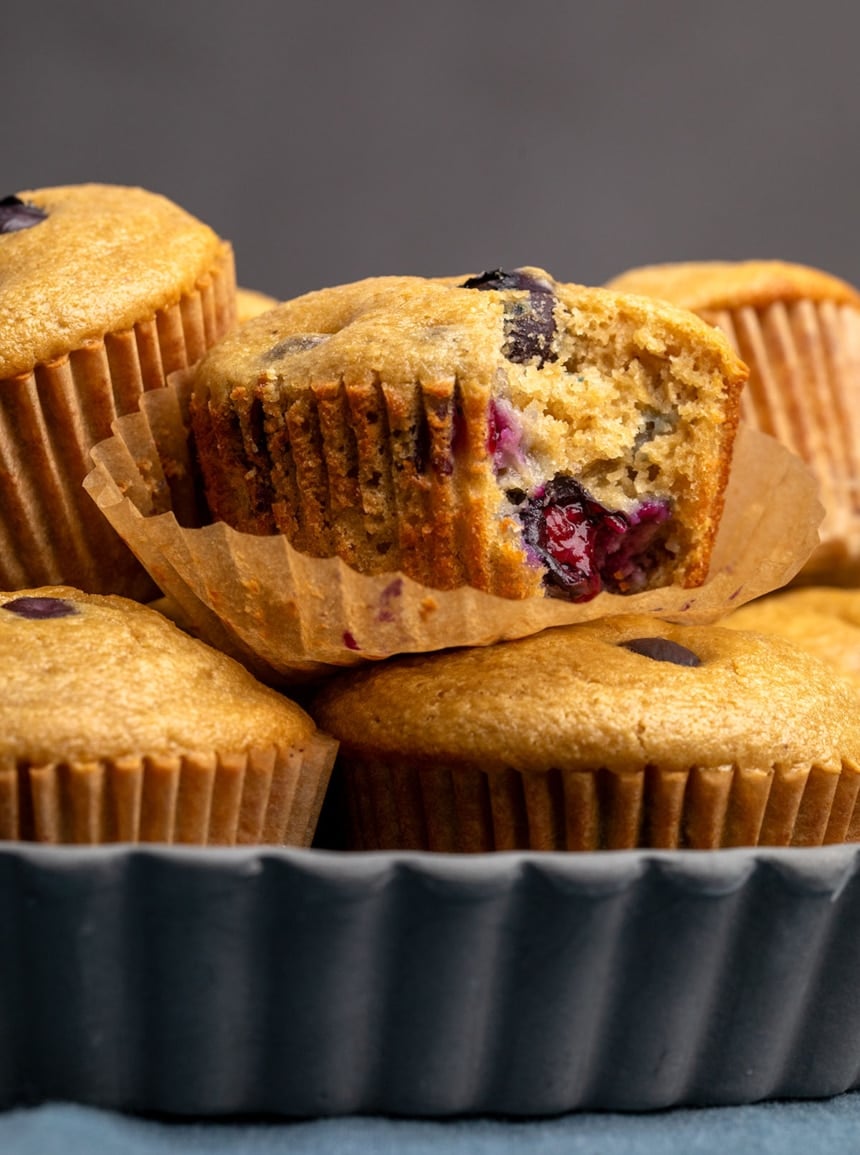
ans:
x=496 y=431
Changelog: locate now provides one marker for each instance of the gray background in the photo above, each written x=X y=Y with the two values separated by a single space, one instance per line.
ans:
x=331 y=141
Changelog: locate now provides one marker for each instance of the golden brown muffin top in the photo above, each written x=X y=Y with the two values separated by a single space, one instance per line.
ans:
x=100 y=259
x=702 y=285
x=576 y=698
x=250 y=303
x=87 y=676
x=407 y=329
x=821 y=620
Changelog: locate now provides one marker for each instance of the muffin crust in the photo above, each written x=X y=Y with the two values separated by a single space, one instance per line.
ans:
x=822 y=620
x=113 y=678
x=575 y=697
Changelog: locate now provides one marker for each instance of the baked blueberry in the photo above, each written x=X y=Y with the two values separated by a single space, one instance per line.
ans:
x=16 y=214
x=297 y=344
x=40 y=607
x=587 y=548
x=663 y=650
x=529 y=324
x=529 y=329
x=499 y=279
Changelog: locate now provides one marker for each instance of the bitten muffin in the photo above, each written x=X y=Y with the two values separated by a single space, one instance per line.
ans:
x=798 y=329
x=619 y=733
x=117 y=727
x=104 y=290
x=823 y=620
x=503 y=431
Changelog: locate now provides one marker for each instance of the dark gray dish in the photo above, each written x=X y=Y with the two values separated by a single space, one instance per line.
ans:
x=302 y=983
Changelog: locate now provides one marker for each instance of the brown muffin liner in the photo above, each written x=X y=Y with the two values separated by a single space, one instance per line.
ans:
x=401 y=806
x=50 y=418
x=804 y=389
x=268 y=794
x=291 y=617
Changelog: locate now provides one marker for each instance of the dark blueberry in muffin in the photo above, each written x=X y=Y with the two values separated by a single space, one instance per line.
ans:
x=499 y=279
x=529 y=330
x=16 y=214
x=663 y=650
x=530 y=323
x=40 y=607
x=298 y=344
x=587 y=548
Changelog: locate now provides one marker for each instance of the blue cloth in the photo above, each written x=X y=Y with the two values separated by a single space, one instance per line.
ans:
x=795 y=1128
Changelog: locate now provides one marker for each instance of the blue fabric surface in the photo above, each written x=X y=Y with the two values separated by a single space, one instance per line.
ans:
x=767 y=1128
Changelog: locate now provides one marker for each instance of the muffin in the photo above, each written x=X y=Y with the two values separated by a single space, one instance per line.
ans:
x=103 y=292
x=618 y=733
x=250 y=303
x=503 y=432
x=821 y=619
x=117 y=727
x=798 y=329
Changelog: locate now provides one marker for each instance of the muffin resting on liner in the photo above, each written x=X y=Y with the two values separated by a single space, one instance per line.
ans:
x=798 y=330
x=504 y=432
x=289 y=616
x=104 y=290
x=117 y=727
x=609 y=735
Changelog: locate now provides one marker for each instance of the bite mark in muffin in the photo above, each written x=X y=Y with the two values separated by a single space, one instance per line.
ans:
x=503 y=431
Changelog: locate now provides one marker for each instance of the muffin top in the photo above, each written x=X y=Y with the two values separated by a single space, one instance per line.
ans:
x=823 y=620
x=618 y=693
x=702 y=285
x=88 y=677
x=469 y=328
x=82 y=260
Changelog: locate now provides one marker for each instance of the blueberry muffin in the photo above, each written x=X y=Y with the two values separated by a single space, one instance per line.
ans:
x=502 y=431
x=798 y=329
x=117 y=727
x=821 y=619
x=103 y=292
x=619 y=733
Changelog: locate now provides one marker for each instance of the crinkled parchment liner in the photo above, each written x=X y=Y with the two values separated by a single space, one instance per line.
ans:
x=290 y=618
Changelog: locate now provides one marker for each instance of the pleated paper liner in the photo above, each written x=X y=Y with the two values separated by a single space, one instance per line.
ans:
x=462 y=809
x=50 y=532
x=290 y=617
x=267 y=795
x=804 y=389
